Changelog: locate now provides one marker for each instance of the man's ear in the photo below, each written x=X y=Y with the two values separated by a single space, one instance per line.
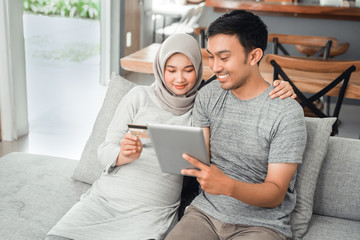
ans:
x=255 y=56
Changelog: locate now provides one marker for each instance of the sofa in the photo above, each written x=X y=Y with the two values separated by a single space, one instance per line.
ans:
x=37 y=190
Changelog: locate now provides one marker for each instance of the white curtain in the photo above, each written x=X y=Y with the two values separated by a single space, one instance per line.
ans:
x=13 y=97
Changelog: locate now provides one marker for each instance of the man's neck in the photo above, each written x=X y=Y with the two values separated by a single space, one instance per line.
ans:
x=255 y=86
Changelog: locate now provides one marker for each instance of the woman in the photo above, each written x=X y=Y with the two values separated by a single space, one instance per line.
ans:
x=133 y=199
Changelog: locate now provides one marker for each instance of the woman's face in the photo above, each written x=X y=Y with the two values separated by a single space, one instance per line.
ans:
x=180 y=75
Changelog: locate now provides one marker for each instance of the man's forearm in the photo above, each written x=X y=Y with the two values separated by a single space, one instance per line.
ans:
x=270 y=193
x=256 y=194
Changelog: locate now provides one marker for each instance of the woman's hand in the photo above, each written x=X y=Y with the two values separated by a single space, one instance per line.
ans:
x=282 y=89
x=130 y=149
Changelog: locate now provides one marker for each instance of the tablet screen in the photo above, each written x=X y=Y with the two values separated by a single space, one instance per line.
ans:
x=171 y=141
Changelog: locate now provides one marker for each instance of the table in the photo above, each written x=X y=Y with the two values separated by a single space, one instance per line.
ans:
x=142 y=62
x=295 y=9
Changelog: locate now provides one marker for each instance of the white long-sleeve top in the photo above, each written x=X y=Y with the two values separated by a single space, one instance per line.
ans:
x=135 y=200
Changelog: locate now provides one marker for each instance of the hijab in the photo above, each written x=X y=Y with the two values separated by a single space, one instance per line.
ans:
x=187 y=45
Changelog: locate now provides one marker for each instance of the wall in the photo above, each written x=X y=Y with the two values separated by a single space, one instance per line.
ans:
x=131 y=27
x=343 y=30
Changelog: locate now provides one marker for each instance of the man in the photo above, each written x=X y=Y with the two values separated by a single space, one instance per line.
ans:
x=256 y=142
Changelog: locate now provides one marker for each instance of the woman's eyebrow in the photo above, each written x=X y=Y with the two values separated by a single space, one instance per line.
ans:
x=189 y=66
x=170 y=66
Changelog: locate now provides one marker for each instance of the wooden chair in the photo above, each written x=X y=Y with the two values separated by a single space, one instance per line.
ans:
x=334 y=50
x=311 y=46
x=343 y=69
x=200 y=32
x=321 y=44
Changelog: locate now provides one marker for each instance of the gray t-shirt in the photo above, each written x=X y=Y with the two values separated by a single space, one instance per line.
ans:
x=244 y=137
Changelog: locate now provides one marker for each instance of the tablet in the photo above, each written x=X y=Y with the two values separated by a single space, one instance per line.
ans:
x=171 y=141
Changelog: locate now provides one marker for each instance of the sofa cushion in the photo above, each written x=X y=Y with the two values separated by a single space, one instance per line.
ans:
x=338 y=189
x=318 y=133
x=330 y=228
x=89 y=168
x=36 y=191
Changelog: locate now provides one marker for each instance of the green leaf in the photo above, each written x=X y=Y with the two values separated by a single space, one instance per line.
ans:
x=72 y=8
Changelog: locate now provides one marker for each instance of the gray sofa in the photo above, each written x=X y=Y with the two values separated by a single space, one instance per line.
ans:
x=36 y=191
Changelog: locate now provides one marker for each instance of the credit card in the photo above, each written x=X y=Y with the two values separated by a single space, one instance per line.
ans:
x=140 y=131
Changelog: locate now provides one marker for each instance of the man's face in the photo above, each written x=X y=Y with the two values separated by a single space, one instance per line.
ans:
x=228 y=61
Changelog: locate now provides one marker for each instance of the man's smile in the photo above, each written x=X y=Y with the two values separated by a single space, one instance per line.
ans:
x=222 y=76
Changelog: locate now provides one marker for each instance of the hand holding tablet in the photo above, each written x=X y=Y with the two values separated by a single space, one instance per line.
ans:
x=172 y=141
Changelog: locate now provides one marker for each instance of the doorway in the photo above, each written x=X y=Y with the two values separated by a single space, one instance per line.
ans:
x=66 y=133
x=62 y=54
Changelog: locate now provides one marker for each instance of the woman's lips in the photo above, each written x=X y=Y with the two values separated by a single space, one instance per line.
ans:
x=180 y=86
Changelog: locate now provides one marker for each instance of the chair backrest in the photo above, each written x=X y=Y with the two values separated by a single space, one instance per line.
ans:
x=197 y=14
x=187 y=23
x=312 y=64
x=187 y=16
x=311 y=41
x=334 y=50
x=200 y=32
x=322 y=45
x=306 y=66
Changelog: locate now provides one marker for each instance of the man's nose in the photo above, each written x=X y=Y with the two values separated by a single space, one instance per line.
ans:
x=216 y=66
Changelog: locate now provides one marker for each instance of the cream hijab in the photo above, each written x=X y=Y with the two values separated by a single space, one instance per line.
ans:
x=187 y=45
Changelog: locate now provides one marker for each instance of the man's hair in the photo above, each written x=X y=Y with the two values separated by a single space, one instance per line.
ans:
x=250 y=30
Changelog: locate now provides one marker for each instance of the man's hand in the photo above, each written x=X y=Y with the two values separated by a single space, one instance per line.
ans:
x=270 y=194
x=211 y=179
x=130 y=149
x=282 y=89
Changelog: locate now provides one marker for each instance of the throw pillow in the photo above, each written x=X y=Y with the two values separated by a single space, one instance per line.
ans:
x=89 y=168
x=318 y=133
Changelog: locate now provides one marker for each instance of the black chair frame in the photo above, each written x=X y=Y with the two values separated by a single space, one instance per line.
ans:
x=325 y=49
x=326 y=53
x=202 y=38
x=308 y=102
x=205 y=82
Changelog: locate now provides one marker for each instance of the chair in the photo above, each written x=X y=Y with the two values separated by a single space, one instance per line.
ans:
x=205 y=56
x=328 y=68
x=186 y=24
x=334 y=50
x=321 y=44
x=311 y=46
x=200 y=32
